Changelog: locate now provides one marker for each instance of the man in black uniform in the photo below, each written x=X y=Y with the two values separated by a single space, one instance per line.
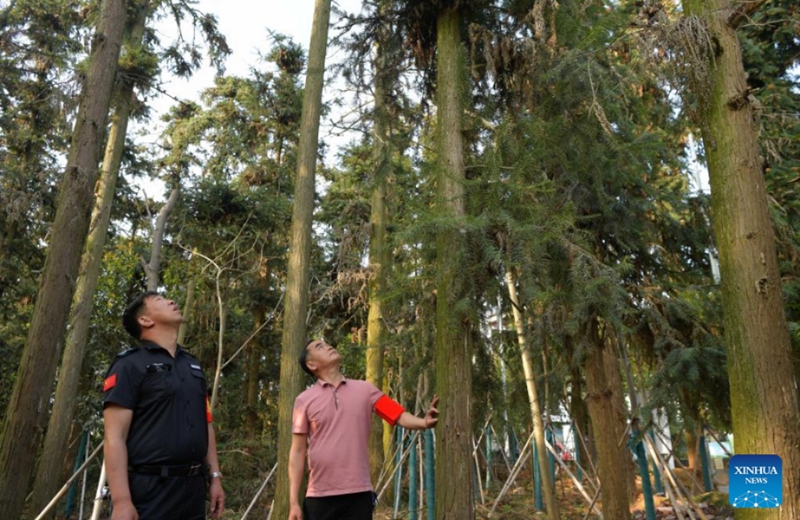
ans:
x=158 y=433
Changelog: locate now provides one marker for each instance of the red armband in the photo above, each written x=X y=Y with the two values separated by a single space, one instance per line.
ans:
x=389 y=410
x=110 y=382
x=208 y=411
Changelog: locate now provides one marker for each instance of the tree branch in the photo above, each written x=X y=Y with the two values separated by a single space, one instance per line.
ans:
x=158 y=238
x=745 y=9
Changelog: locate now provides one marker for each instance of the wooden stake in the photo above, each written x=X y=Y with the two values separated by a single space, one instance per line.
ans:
x=64 y=489
x=260 y=490
x=574 y=479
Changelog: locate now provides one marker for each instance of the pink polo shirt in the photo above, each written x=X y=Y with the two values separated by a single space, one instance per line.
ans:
x=337 y=422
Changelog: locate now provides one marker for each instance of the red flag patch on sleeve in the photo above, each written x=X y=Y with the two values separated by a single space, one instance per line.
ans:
x=389 y=410
x=208 y=411
x=110 y=382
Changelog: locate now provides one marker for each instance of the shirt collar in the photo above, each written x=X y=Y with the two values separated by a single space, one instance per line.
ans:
x=152 y=345
x=323 y=384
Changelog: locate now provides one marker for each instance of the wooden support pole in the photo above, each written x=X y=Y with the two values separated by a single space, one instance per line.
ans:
x=260 y=490
x=65 y=487
x=574 y=479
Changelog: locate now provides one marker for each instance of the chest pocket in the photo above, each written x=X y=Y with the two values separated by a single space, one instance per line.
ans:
x=198 y=381
x=158 y=386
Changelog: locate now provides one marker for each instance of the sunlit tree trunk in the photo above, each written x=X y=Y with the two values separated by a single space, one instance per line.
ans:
x=26 y=413
x=298 y=276
x=454 y=495
x=379 y=255
x=764 y=401
x=548 y=487
x=691 y=439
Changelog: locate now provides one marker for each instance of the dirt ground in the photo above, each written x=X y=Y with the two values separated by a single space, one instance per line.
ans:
x=518 y=504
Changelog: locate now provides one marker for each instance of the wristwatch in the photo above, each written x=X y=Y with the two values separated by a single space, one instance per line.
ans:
x=216 y=474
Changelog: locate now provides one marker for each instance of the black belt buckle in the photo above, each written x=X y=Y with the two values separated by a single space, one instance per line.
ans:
x=194 y=469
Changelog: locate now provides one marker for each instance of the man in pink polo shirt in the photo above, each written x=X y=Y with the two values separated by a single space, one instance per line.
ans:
x=331 y=423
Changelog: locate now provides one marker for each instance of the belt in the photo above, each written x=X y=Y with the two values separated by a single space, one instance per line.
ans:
x=168 y=471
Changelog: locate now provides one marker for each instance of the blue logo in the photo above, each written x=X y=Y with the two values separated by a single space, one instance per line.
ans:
x=756 y=481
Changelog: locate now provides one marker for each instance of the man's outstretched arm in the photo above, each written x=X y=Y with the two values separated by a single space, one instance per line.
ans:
x=413 y=422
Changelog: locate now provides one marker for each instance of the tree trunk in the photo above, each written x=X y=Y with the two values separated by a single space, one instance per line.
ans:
x=612 y=458
x=379 y=257
x=691 y=439
x=298 y=276
x=548 y=487
x=253 y=369
x=577 y=406
x=764 y=401
x=580 y=417
x=29 y=403
x=454 y=495
x=152 y=268
x=187 y=309
x=49 y=477
x=223 y=322
x=614 y=378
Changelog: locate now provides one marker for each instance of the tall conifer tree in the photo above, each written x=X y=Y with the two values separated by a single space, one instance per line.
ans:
x=299 y=273
x=48 y=474
x=25 y=416
x=454 y=496
x=763 y=396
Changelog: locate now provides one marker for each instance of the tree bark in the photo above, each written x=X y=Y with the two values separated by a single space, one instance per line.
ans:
x=764 y=400
x=577 y=405
x=691 y=439
x=152 y=268
x=612 y=458
x=49 y=476
x=454 y=494
x=548 y=487
x=253 y=369
x=298 y=276
x=614 y=378
x=27 y=408
x=379 y=257
x=187 y=309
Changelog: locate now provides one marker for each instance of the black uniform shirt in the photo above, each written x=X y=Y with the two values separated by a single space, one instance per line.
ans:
x=168 y=399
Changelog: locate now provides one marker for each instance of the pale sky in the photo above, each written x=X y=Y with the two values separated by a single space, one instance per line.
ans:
x=245 y=24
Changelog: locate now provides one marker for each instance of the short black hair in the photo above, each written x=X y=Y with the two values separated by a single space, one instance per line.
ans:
x=130 y=318
x=303 y=356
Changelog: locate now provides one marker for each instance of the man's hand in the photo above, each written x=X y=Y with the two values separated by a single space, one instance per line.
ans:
x=295 y=513
x=124 y=510
x=432 y=416
x=216 y=497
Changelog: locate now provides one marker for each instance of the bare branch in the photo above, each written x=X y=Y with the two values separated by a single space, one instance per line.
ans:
x=745 y=9
x=253 y=335
x=158 y=239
